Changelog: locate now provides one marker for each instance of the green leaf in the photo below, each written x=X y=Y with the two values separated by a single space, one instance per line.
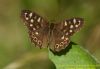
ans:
x=73 y=57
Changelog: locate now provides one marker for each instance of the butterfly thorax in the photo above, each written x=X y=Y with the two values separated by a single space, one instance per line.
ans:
x=51 y=27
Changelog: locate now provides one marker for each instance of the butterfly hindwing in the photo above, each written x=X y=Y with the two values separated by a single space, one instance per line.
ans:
x=59 y=41
x=36 y=26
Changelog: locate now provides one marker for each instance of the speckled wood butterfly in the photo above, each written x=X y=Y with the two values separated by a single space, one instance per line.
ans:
x=43 y=34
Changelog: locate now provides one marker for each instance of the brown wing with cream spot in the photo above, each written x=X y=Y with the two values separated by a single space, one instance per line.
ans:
x=37 y=27
x=62 y=32
x=72 y=25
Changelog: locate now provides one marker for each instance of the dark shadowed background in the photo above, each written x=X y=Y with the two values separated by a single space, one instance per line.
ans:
x=16 y=50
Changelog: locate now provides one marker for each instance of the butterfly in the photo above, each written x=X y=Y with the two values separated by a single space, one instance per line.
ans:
x=43 y=34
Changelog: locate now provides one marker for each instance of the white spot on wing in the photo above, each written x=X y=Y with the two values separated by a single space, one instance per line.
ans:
x=36 y=33
x=30 y=15
x=65 y=23
x=34 y=28
x=26 y=18
x=76 y=25
x=31 y=25
x=32 y=20
x=66 y=38
x=62 y=37
x=67 y=33
x=70 y=31
x=79 y=21
x=38 y=20
x=71 y=26
x=25 y=14
x=74 y=20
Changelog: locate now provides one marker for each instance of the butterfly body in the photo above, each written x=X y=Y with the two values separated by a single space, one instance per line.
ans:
x=43 y=34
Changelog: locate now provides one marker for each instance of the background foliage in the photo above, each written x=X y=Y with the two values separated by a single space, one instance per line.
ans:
x=16 y=50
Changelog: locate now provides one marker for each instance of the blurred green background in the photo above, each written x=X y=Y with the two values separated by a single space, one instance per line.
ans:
x=16 y=50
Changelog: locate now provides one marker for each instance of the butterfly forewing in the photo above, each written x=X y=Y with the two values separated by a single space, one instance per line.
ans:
x=37 y=27
x=62 y=32
x=71 y=26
